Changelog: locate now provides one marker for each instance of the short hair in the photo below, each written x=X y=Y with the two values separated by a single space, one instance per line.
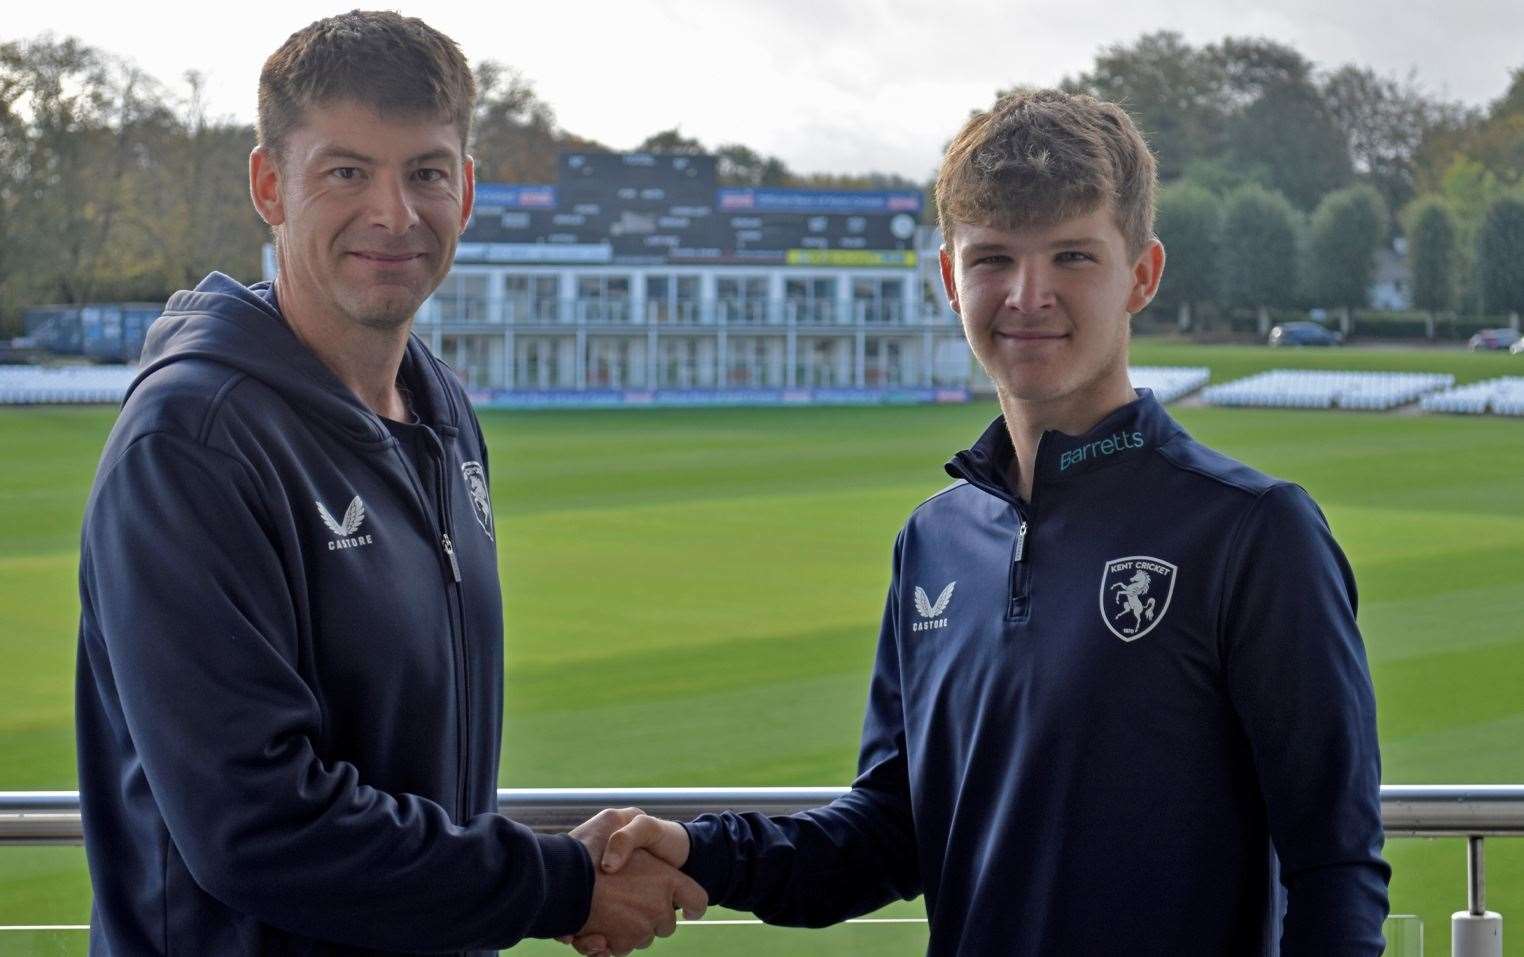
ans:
x=1039 y=157
x=397 y=65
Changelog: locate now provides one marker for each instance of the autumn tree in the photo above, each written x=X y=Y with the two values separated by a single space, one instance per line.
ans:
x=670 y=141
x=191 y=203
x=1386 y=122
x=1189 y=223
x=1431 y=234
x=1280 y=123
x=1348 y=228
x=740 y=165
x=1500 y=256
x=1259 y=251
x=1498 y=143
x=514 y=134
x=1173 y=91
x=82 y=126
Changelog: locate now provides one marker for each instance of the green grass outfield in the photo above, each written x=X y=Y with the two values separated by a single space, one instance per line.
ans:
x=693 y=599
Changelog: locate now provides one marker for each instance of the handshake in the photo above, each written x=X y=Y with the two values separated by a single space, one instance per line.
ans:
x=637 y=887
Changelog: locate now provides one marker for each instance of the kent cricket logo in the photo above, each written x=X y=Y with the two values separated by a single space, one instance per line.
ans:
x=354 y=516
x=932 y=612
x=481 y=504
x=1135 y=594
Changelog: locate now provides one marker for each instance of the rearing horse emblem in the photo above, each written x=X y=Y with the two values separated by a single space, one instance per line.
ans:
x=1135 y=594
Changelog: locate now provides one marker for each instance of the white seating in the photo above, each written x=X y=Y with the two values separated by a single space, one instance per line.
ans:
x=1501 y=396
x=1318 y=389
x=52 y=385
x=1169 y=382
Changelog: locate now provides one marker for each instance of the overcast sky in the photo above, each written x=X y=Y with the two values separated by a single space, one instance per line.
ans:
x=827 y=85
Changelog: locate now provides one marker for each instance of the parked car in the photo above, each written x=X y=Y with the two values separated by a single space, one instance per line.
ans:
x=1303 y=334
x=1499 y=339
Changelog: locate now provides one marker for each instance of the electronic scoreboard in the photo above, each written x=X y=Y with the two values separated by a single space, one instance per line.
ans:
x=656 y=208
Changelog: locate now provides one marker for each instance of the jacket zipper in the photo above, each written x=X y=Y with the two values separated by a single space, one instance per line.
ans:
x=1019 y=604
x=1018 y=607
x=457 y=628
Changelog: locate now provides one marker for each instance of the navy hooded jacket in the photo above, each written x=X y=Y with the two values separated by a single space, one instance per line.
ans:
x=289 y=696
x=1131 y=716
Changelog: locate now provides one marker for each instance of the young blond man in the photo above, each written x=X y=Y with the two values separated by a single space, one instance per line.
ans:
x=1120 y=703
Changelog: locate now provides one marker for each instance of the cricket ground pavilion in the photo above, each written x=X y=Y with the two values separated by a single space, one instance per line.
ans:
x=637 y=278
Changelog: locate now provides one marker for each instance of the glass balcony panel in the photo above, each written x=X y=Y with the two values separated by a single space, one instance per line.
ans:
x=44 y=901
x=1404 y=935
x=721 y=931
x=30 y=941
x=897 y=931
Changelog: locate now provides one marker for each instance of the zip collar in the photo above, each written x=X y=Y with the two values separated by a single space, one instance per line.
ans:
x=1123 y=435
x=987 y=462
x=241 y=327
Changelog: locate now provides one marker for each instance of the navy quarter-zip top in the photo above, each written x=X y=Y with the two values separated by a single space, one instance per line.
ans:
x=289 y=696
x=1131 y=716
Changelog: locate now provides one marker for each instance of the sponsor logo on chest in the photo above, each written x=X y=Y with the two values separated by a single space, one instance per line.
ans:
x=1135 y=594
x=931 y=612
x=347 y=531
x=1117 y=442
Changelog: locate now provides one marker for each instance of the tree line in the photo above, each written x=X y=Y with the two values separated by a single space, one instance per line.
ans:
x=115 y=186
x=1280 y=180
x=111 y=186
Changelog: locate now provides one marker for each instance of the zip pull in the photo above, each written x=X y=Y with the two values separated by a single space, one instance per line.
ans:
x=449 y=550
x=1021 y=543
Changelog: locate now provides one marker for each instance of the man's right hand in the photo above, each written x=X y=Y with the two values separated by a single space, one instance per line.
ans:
x=634 y=906
x=668 y=840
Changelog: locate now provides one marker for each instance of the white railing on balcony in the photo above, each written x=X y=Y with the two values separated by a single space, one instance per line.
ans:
x=1473 y=811
x=483 y=313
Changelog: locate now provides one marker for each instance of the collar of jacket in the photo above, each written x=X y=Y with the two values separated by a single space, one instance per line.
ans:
x=240 y=326
x=1121 y=436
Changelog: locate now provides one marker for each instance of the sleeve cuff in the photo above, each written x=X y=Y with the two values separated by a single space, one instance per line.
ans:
x=710 y=860
x=568 y=886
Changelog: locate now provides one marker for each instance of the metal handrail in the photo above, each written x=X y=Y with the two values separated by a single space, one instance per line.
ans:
x=1407 y=810
x=1472 y=811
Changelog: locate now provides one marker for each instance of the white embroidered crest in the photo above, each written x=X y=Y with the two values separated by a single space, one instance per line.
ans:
x=481 y=501
x=1135 y=594
x=345 y=530
x=932 y=611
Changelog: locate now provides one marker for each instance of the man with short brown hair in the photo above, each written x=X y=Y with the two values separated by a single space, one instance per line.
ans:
x=290 y=677
x=1120 y=704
